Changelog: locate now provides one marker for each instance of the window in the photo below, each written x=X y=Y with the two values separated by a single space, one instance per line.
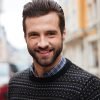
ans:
x=92 y=12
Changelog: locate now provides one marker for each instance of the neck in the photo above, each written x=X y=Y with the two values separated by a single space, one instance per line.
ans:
x=40 y=70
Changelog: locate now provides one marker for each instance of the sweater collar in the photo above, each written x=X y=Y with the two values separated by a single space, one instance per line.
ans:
x=53 y=71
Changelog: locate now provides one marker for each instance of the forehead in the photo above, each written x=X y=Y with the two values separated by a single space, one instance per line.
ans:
x=50 y=20
x=48 y=17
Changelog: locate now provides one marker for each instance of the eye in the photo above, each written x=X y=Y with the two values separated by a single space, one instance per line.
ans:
x=33 y=34
x=51 y=33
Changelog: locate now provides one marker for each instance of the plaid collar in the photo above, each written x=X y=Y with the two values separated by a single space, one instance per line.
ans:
x=53 y=71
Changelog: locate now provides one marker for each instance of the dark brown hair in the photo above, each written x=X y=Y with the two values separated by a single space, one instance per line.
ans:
x=38 y=8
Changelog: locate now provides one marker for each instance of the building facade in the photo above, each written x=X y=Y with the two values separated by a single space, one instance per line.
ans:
x=0 y=6
x=10 y=54
x=3 y=45
x=3 y=50
x=82 y=43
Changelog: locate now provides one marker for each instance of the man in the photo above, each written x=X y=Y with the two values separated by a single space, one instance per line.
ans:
x=51 y=76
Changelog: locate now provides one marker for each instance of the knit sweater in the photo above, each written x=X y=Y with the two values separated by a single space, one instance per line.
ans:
x=70 y=83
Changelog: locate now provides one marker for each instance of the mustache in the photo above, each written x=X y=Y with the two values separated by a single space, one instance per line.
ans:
x=44 y=49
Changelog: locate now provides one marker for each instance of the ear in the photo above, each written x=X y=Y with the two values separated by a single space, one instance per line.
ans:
x=64 y=34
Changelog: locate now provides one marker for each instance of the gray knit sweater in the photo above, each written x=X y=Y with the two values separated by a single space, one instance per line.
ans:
x=70 y=83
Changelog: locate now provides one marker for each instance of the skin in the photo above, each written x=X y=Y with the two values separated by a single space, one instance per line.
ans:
x=44 y=41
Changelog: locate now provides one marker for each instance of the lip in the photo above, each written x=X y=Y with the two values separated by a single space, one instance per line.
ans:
x=44 y=53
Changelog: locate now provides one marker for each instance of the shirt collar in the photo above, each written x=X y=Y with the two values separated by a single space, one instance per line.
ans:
x=54 y=70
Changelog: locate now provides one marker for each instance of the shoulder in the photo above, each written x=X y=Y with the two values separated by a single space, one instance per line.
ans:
x=77 y=73
x=17 y=82
x=20 y=76
x=88 y=83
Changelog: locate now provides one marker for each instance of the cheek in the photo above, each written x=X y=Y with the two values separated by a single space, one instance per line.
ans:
x=57 y=42
x=31 y=43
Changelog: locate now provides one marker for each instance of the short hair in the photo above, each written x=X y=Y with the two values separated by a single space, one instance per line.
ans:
x=38 y=8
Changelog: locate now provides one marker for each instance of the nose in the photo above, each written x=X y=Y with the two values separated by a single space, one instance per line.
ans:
x=43 y=42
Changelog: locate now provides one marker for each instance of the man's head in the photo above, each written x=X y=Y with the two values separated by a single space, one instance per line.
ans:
x=38 y=8
x=44 y=27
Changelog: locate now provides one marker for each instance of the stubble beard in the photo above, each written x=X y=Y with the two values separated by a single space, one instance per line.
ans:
x=46 y=62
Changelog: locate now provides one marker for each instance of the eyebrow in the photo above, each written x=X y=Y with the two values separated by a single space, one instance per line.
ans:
x=36 y=33
x=52 y=31
x=32 y=33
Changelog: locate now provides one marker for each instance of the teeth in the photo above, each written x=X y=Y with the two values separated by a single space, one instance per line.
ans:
x=44 y=51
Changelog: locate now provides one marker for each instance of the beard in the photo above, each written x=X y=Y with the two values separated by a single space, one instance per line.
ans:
x=45 y=62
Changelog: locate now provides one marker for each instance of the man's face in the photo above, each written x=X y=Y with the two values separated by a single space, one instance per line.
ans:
x=44 y=39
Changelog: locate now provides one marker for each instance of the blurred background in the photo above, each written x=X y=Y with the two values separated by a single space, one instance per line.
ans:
x=81 y=45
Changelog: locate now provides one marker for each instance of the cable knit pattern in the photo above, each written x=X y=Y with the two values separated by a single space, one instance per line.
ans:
x=70 y=83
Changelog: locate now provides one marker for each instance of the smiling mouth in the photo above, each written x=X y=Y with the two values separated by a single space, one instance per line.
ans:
x=44 y=53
